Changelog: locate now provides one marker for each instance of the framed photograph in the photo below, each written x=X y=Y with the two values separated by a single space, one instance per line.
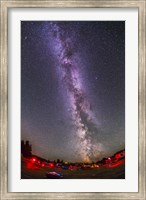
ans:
x=73 y=99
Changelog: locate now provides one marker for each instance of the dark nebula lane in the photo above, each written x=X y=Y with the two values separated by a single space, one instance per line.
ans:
x=81 y=113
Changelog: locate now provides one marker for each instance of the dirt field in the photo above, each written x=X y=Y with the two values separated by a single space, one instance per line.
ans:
x=36 y=172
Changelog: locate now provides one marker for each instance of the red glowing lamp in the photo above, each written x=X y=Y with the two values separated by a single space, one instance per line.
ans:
x=51 y=165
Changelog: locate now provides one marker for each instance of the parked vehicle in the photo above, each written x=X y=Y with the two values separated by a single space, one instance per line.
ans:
x=54 y=175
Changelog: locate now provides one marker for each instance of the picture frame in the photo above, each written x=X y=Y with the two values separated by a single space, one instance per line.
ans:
x=5 y=5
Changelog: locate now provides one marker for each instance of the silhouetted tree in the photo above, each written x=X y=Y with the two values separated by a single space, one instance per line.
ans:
x=26 y=149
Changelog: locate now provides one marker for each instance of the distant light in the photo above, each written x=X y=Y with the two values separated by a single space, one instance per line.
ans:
x=43 y=165
x=33 y=159
x=51 y=165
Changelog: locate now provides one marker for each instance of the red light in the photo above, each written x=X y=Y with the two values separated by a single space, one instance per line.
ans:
x=33 y=159
x=43 y=165
x=29 y=165
x=51 y=165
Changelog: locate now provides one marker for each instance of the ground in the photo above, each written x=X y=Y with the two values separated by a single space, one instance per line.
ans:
x=104 y=172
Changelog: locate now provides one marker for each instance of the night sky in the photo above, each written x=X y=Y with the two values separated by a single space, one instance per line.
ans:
x=73 y=88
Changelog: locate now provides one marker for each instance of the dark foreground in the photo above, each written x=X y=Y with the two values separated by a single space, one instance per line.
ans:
x=104 y=172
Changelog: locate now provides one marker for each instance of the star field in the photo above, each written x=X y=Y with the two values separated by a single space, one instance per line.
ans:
x=73 y=88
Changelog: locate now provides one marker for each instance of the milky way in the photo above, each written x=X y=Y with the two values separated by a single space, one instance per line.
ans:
x=73 y=88
x=82 y=115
